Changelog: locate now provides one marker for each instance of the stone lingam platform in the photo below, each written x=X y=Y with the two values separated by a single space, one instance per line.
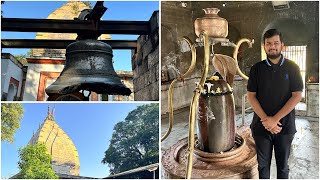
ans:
x=239 y=162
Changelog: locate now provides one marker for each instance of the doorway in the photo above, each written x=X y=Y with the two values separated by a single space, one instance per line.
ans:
x=298 y=54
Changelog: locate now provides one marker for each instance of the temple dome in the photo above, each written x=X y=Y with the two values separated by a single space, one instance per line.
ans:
x=65 y=158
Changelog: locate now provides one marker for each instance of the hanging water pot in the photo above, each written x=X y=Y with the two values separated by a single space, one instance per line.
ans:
x=215 y=117
x=88 y=67
x=212 y=24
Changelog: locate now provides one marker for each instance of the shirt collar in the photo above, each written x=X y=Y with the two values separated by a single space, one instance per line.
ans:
x=282 y=60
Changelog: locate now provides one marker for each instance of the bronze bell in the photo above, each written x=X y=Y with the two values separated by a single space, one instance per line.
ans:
x=88 y=67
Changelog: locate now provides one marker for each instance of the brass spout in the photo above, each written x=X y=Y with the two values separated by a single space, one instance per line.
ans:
x=235 y=54
x=195 y=99
x=181 y=78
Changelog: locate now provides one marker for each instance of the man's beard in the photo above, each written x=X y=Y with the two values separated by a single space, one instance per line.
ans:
x=273 y=56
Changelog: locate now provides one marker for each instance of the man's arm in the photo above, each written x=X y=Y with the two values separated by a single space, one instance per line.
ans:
x=256 y=105
x=260 y=112
x=289 y=106
x=271 y=122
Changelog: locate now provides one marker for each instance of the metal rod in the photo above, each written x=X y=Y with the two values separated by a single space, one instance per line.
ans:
x=61 y=44
x=235 y=55
x=181 y=78
x=196 y=95
x=243 y=107
x=74 y=26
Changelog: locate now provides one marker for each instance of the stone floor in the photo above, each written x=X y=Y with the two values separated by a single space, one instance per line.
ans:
x=304 y=158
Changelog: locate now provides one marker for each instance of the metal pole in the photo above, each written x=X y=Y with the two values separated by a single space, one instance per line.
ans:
x=243 y=108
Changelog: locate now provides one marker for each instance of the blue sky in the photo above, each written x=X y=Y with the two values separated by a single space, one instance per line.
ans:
x=89 y=125
x=122 y=10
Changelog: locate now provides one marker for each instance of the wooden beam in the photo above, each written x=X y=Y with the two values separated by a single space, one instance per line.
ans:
x=74 y=26
x=61 y=44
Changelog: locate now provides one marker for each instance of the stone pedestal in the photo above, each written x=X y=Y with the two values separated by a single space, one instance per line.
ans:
x=240 y=162
x=312 y=99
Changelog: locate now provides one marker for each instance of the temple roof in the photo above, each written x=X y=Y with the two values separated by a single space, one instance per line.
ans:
x=65 y=158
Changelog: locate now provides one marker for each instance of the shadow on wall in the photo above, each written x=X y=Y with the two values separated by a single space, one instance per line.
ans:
x=12 y=92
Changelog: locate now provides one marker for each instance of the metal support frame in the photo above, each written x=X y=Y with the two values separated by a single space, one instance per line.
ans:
x=61 y=44
x=74 y=26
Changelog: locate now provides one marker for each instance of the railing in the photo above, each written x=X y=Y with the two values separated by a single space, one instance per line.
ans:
x=243 y=107
x=298 y=54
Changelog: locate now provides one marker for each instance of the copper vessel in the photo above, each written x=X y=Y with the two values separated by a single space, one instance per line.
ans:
x=215 y=115
x=212 y=24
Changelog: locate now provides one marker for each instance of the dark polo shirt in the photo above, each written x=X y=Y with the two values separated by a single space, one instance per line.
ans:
x=273 y=84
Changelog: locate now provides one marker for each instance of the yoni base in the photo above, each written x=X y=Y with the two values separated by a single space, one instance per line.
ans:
x=239 y=163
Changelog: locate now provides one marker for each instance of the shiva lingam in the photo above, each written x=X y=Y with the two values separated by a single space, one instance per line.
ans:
x=218 y=151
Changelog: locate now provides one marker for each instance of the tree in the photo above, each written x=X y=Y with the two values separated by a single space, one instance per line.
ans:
x=88 y=3
x=2 y=2
x=135 y=141
x=11 y=115
x=35 y=163
x=22 y=57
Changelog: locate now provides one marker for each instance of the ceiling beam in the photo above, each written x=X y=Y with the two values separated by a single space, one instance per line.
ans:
x=61 y=44
x=74 y=26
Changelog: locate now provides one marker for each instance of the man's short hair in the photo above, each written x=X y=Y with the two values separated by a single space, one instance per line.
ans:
x=272 y=32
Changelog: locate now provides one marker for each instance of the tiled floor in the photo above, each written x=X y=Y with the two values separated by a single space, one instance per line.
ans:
x=304 y=158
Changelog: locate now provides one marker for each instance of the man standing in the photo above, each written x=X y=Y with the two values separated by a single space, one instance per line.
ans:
x=274 y=89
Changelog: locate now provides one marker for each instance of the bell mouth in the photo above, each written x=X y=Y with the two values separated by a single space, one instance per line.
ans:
x=110 y=86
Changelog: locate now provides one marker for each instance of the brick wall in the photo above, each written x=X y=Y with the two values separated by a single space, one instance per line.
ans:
x=145 y=64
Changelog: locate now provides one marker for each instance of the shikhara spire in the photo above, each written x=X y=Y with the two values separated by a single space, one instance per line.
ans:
x=51 y=115
x=65 y=157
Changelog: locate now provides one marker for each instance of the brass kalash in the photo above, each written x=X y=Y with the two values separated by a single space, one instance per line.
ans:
x=218 y=151
x=88 y=65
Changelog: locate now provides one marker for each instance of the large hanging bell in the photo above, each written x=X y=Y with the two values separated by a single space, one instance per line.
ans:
x=88 y=67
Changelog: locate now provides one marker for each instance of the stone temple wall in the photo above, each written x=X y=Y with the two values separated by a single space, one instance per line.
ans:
x=145 y=64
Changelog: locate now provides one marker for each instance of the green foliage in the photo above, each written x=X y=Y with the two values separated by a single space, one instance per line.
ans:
x=11 y=115
x=35 y=163
x=88 y=3
x=22 y=57
x=135 y=141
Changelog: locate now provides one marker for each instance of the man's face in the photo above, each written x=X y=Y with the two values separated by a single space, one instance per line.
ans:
x=273 y=47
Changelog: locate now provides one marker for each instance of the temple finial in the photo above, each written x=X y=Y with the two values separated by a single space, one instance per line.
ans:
x=48 y=110
x=54 y=108
x=50 y=115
